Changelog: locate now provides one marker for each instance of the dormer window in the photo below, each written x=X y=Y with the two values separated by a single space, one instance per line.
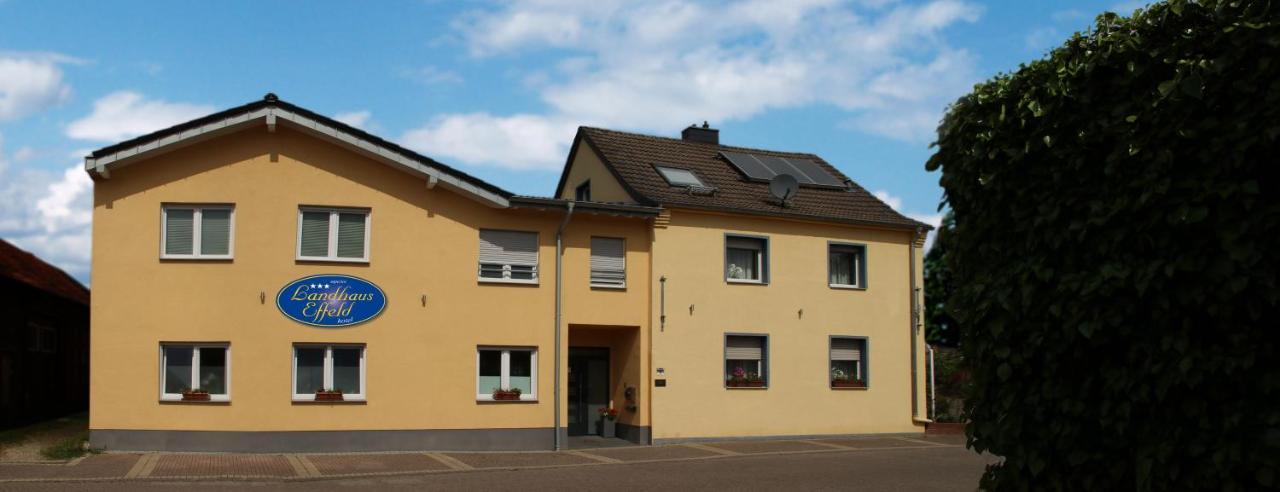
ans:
x=680 y=177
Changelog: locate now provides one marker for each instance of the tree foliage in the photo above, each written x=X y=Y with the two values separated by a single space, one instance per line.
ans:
x=1114 y=254
x=939 y=327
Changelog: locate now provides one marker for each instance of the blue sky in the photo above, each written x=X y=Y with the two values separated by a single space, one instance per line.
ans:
x=497 y=89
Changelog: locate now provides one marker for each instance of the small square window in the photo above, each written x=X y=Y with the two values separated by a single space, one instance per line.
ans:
x=679 y=177
x=746 y=361
x=846 y=265
x=848 y=357
x=746 y=259
x=328 y=369
x=506 y=374
x=583 y=192
x=195 y=372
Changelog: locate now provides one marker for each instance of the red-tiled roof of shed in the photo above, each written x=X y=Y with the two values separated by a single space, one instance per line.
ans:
x=632 y=157
x=26 y=268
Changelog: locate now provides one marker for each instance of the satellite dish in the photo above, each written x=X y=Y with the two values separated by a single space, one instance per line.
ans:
x=783 y=187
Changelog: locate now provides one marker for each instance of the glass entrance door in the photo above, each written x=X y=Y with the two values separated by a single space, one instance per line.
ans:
x=587 y=389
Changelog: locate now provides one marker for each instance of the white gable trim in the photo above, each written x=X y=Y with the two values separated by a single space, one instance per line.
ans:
x=270 y=117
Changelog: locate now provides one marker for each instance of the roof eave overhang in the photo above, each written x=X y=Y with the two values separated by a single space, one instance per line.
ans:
x=270 y=116
x=595 y=208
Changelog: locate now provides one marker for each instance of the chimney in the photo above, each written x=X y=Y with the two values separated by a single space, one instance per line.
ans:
x=705 y=134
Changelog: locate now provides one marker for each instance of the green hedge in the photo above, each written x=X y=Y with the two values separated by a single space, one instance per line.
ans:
x=1115 y=254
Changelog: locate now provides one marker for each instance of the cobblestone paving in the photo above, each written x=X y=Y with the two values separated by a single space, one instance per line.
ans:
x=752 y=447
x=96 y=466
x=511 y=460
x=340 y=464
x=874 y=442
x=206 y=465
x=652 y=453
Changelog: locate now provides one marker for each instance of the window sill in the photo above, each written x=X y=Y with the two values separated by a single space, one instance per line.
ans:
x=211 y=401
x=196 y=258
x=609 y=287
x=491 y=400
x=848 y=388
x=745 y=281
x=345 y=401
x=331 y=260
x=516 y=281
x=846 y=287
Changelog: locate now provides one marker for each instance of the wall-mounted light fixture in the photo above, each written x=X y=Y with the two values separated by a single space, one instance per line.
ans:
x=262 y=297
x=424 y=300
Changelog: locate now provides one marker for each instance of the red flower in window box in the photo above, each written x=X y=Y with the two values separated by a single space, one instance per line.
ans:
x=195 y=395
x=848 y=383
x=329 y=395
x=509 y=394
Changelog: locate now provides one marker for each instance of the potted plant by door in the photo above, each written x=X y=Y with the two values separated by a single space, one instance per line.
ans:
x=195 y=395
x=330 y=394
x=506 y=394
x=608 y=428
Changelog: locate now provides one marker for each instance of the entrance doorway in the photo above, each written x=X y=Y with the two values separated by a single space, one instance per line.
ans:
x=588 y=389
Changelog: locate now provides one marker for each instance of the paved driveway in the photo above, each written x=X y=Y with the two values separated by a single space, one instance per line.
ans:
x=880 y=463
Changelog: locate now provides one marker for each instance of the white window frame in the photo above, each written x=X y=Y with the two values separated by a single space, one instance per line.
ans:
x=196 y=218
x=506 y=268
x=762 y=258
x=333 y=234
x=859 y=266
x=505 y=373
x=623 y=285
x=328 y=370
x=195 y=369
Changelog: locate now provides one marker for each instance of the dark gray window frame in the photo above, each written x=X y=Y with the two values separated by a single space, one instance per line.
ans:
x=577 y=191
x=764 y=363
x=866 y=360
x=764 y=259
x=862 y=267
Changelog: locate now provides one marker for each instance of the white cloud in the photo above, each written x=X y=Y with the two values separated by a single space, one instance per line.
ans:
x=518 y=142
x=431 y=75
x=895 y=202
x=47 y=214
x=354 y=118
x=30 y=83
x=125 y=114
x=657 y=66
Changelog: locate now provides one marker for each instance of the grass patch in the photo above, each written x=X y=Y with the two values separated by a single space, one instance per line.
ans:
x=68 y=448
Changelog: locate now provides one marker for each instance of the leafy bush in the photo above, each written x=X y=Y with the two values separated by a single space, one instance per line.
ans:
x=939 y=327
x=1114 y=254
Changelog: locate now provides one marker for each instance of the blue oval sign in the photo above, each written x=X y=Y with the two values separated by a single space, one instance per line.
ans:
x=331 y=301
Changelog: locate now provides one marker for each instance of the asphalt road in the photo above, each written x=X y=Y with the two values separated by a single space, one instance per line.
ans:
x=914 y=469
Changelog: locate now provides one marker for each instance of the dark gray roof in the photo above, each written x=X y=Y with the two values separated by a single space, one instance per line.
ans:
x=631 y=158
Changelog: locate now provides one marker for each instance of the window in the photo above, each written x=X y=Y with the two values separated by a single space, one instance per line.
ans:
x=746 y=362
x=328 y=367
x=196 y=232
x=608 y=262
x=746 y=259
x=848 y=362
x=42 y=338
x=508 y=370
x=333 y=234
x=583 y=192
x=508 y=256
x=203 y=367
x=679 y=177
x=846 y=265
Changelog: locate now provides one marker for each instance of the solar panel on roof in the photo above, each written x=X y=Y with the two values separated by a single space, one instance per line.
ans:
x=764 y=168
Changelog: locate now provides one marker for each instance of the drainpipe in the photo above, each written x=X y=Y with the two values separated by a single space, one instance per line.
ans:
x=559 y=302
x=915 y=314
x=933 y=386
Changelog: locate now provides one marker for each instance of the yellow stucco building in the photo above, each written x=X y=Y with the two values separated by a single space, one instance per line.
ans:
x=268 y=279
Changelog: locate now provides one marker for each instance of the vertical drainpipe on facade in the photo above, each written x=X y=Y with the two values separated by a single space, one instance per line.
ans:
x=915 y=314
x=559 y=301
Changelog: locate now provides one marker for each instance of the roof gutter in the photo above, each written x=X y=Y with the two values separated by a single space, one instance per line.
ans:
x=568 y=213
